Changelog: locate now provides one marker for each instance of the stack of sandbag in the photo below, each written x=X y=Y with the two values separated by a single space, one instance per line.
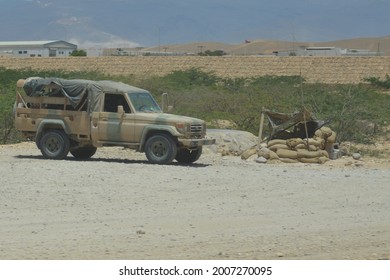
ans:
x=327 y=136
x=312 y=150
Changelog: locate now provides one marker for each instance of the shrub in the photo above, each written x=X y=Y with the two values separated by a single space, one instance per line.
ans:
x=375 y=81
x=78 y=53
x=212 y=53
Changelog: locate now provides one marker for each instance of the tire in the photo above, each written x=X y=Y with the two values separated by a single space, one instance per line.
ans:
x=188 y=156
x=83 y=152
x=54 y=144
x=160 y=149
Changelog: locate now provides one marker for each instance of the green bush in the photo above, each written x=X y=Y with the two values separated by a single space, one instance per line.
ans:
x=375 y=81
x=212 y=53
x=78 y=53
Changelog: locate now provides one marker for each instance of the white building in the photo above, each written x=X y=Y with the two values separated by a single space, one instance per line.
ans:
x=37 y=48
x=325 y=51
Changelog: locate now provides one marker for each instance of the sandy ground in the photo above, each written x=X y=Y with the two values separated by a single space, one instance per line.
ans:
x=117 y=206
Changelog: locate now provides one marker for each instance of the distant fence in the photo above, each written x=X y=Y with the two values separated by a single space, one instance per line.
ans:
x=342 y=70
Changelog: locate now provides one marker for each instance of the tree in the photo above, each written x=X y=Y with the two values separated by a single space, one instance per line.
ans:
x=78 y=53
x=212 y=53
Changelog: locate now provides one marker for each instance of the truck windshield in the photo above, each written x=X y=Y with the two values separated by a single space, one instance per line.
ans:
x=143 y=102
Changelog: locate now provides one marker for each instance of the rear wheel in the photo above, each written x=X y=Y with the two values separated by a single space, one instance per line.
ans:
x=84 y=152
x=188 y=156
x=160 y=149
x=54 y=144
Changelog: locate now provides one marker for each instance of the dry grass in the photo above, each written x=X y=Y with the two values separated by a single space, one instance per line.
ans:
x=338 y=70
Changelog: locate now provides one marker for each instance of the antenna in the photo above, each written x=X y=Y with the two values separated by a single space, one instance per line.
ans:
x=159 y=39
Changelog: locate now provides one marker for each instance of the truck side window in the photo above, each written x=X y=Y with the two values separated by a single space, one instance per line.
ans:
x=111 y=102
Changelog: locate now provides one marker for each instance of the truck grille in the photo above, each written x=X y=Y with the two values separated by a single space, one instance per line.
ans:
x=196 y=129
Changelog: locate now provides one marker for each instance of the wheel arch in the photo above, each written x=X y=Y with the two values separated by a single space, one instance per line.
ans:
x=46 y=125
x=149 y=131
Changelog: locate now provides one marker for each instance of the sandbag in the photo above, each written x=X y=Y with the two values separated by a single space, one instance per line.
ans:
x=293 y=142
x=326 y=132
x=309 y=160
x=321 y=141
x=276 y=142
x=311 y=141
x=284 y=153
x=276 y=147
x=318 y=134
x=273 y=155
x=301 y=153
x=324 y=153
x=248 y=153
x=288 y=160
x=322 y=160
x=331 y=138
x=304 y=147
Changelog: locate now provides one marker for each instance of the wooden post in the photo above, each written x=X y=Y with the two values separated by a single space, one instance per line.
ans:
x=261 y=129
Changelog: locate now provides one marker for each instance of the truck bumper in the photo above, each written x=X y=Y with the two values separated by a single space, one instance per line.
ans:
x=193 y=143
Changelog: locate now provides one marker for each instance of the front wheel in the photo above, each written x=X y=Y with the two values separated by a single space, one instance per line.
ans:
x=54 y=144
x=160 y=149
x=188 y=156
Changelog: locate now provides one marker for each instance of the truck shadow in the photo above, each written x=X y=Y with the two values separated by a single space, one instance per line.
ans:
x=113 y=160
x=131 y=161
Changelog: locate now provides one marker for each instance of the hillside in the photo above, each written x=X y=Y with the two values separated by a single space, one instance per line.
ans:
x=267 y=47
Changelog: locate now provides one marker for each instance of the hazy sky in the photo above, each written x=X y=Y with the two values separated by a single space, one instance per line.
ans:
x=149 y=22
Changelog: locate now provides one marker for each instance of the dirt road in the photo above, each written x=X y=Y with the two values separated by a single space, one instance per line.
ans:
x=117 y=206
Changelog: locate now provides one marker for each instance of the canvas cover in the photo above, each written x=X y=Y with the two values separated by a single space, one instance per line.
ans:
x=76 y=90
x=280 y=123
x=277 y=119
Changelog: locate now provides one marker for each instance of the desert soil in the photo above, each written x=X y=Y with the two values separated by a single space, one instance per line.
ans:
x=117 y=206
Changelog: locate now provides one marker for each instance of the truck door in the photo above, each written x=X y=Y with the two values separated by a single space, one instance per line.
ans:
x=109 y=125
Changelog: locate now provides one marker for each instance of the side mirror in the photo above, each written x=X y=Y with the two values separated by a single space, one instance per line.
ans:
x=165 y=103
x=120 y=110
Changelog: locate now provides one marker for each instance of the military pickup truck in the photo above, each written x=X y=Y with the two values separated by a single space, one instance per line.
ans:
x=77 y=116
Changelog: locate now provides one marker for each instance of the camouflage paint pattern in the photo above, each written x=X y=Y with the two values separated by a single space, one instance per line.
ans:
x=35 y=115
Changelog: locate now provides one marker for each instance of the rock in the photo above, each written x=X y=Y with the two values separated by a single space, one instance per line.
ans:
x=253 y=157
x=263 y=145
x=261 y=160
x=356 y=156
x=359 y=164
x=264 y=152
x=231 y=142
x=223 y=124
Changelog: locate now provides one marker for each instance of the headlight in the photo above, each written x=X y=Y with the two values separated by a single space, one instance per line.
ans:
x=181 y=127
